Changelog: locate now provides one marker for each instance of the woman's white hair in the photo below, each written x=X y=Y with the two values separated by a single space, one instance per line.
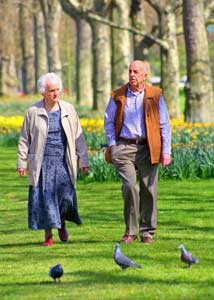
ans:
x=42 y=81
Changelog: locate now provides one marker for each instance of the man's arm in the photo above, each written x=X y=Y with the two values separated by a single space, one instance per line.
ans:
x=165 y=133
x=109 y=122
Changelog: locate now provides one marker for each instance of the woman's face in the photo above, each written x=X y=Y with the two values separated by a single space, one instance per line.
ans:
x=52 y=91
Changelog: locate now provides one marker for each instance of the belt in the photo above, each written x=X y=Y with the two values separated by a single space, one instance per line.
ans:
x=134 y=141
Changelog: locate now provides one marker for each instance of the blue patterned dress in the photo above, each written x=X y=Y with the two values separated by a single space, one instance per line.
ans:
x=54 y=199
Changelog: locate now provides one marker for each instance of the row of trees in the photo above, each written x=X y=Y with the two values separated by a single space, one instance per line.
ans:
x=105 y=35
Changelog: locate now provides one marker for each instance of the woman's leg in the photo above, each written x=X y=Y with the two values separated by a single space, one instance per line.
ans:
x=48 y=238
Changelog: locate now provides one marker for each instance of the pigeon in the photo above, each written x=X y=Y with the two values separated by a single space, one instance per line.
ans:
x=122 y=260
x=56 y=272
x=187 y=257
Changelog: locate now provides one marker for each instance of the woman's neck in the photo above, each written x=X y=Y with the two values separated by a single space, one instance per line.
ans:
x=51 y=106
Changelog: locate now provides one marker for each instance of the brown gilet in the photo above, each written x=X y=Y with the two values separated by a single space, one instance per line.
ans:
x=151 y=117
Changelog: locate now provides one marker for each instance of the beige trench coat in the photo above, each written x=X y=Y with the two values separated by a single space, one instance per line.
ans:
x=33 y=138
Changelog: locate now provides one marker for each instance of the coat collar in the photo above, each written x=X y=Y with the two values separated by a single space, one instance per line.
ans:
x=64 y=112
x=42 y=111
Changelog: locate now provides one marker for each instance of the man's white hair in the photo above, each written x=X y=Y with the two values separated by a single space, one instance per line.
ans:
x=42 y=81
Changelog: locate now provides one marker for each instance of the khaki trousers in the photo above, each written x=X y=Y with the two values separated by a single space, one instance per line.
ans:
x=140 y=201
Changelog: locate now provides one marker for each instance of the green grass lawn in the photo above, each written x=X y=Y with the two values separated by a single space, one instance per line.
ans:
x=186 y=215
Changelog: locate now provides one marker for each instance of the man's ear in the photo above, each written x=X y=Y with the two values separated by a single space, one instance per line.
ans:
x=146 y=75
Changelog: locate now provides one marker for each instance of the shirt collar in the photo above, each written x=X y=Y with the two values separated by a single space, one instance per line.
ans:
x=134 y=93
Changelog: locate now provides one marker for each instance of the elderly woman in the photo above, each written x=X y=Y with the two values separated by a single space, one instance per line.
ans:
x=51 y=147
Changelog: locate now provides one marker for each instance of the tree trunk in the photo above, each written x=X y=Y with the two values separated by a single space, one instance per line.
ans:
x=8 y=76
x=102 y=65
x=100 y=45
x=84 y=63
x=101 y=57
x=39 y=42
x=52 y=12
x=68 y=55
x=169 y=55
x=27 y=47
x=141 y=51
x=170 y=62
x=199 y=91
x=120 y=43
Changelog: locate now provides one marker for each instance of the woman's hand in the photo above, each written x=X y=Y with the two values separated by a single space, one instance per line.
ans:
x=21 y=171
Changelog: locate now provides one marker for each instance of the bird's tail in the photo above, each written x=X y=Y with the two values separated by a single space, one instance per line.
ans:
x=137 y=266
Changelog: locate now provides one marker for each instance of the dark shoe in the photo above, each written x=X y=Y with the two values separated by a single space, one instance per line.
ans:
x=146 y=237
x=63 y=233
x=128 y=238
x=48 y=241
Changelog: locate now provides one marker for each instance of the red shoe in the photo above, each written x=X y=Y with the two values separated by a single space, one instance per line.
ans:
x=63 y=233
x=128 y=238
x=48 y=241
x=146 y=237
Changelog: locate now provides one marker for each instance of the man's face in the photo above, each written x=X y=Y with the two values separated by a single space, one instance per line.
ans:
x=52 y=91
x=136 y=75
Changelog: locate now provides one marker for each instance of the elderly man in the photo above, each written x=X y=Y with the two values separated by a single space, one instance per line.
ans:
x=139 y=137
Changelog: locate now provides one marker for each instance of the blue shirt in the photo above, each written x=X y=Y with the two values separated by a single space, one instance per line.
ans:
x=133 y=125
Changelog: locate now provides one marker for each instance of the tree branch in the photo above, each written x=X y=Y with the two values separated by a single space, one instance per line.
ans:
x=155 y=39
x=209 y=10
x=69 y=8
x=155 y=4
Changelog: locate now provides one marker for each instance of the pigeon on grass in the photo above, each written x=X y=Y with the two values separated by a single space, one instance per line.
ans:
x=56 y=272
x=187 y=257
x=122 y=260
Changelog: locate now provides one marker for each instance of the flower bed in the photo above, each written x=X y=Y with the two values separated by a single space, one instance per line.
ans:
x=192 y=148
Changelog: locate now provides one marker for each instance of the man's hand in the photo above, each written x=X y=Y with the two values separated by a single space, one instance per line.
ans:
x=166 y=159
x=21 y=171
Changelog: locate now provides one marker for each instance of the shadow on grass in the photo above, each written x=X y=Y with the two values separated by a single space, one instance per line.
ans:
x=5 y=211
x=182 y=227
x=128 y=277
x=189 y=210
x=119 y=277
x=15 y=245
x=57 y=243
x=40 y=283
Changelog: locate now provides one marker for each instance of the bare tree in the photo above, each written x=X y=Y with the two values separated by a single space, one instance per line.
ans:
x=8 y=76
x=27 y=46
x=169 y=55
x=39 y=41
x=96 y=12
x=141 y=43
x=78 y=65
x=84 y=63
x=121 y=48
x=199 y=91
x=100 y=46
x=209 y=11
x=102 y=61
x=52 y=12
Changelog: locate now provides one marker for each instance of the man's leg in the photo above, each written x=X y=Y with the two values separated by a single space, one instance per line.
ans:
x=123 y=157
x=148 y=177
